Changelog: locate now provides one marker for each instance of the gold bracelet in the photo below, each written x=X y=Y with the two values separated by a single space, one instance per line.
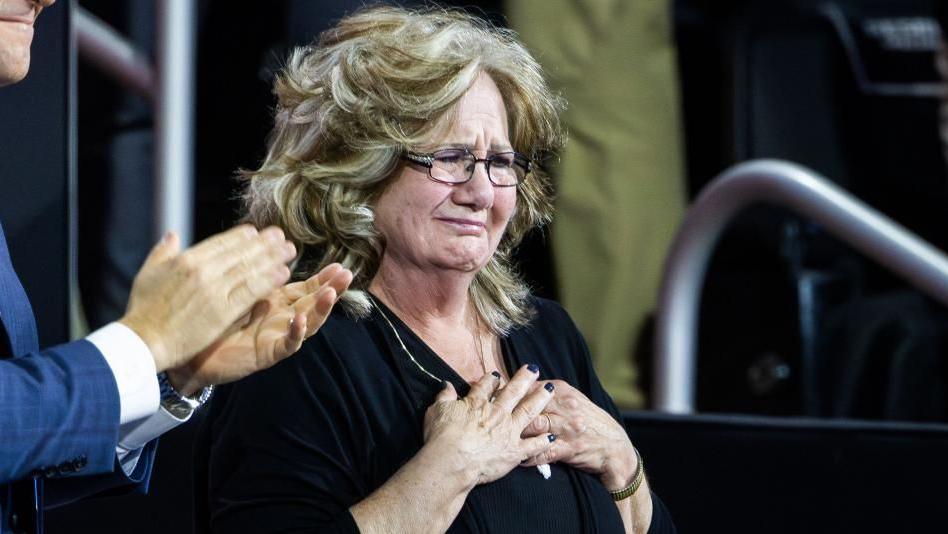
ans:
x=637 y=479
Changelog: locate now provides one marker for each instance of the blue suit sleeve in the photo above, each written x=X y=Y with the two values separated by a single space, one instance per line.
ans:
x=59 y=413
x=63 y=491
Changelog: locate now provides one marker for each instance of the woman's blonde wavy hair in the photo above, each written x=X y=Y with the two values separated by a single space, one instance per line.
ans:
x=349 y=106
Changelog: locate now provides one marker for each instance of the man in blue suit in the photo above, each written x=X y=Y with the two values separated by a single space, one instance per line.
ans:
x=80 y=418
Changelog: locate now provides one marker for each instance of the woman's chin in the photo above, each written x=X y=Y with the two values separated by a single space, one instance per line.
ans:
x=467 y=253
x=469 y=264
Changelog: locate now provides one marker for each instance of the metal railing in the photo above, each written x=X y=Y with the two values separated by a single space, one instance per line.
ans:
x=169 y=86
x=106 y=49
x=174 y=114
x=791 y=186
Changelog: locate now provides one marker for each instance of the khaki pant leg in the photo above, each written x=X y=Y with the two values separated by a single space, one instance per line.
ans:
x=620 y=183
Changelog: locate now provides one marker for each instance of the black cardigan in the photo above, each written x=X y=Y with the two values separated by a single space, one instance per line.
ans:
x=292 y=448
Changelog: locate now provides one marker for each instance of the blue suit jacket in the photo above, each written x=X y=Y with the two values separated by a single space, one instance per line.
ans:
x=59 y=417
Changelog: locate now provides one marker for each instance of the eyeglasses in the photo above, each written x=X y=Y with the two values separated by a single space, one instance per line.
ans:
x=456 y=166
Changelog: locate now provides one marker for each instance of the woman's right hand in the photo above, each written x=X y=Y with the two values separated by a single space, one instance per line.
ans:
x=480 y=434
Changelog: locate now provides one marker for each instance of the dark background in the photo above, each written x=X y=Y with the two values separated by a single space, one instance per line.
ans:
x=759 y=79
x=35 y=190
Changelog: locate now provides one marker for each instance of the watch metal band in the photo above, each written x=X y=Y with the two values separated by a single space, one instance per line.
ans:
x=177 y=404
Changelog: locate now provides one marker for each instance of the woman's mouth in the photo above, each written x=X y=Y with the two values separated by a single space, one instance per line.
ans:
x=465 y=225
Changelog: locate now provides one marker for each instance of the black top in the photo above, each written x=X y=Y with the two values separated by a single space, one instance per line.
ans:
x=292 y=448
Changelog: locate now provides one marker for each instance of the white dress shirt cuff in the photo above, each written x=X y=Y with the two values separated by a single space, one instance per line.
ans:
x=128 y=459
x=134 y=368
x=135 y=435
x=140 y=417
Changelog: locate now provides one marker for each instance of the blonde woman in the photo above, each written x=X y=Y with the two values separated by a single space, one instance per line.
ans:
x=404 y=148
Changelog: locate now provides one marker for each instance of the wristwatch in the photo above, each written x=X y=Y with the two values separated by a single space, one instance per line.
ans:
x=177 y=404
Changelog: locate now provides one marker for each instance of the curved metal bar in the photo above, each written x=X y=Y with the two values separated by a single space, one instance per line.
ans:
x=808 y=194
x=112 y=53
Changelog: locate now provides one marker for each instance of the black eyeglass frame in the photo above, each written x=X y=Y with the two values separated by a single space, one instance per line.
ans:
x=427 y=160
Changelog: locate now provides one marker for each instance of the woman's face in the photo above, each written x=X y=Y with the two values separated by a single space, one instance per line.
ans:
x=427 y=224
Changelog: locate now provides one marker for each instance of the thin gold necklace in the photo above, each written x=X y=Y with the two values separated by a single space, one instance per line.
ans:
x=480 y=342
x=411 y=357
x=402 y=343
x=544 y=469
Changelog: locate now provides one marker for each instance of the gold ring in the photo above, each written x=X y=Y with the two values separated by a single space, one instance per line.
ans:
x=549 y=423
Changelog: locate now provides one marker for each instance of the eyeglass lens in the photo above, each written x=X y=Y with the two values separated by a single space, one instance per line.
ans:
x=456 y=166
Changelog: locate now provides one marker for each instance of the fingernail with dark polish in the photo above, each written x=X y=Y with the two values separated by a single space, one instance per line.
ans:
x=533 y=368
x=551 y=437
x=548 y=386
x=495 y=373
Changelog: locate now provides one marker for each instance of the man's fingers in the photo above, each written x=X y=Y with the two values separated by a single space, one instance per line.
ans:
x=220 y=247
x=318 y=304
x=293 y=340
x=247 y=288
x=299 y=326
x=259 y=309
x=239 y=265
x=340 y=280
x=333 y=275
x=313 y=283
x=518 y=386
x=241 y=252
x=317 y=308
x=296 y=290
x=254 y=259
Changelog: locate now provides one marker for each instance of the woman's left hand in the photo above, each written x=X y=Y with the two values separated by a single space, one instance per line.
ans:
x=587 y=438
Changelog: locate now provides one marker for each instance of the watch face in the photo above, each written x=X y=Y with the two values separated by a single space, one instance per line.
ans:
x=178 y=409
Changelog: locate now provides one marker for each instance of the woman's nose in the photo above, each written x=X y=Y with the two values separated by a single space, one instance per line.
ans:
x=478 y=192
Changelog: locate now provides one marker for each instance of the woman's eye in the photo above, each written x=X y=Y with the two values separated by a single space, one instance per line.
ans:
x=453 y=157
x=502 y=161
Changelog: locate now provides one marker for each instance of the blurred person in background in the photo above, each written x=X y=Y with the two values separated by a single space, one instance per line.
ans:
x=208 y=315
x=620 y=185
x=403 y=147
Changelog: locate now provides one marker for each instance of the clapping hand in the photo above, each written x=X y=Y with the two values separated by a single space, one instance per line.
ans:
x=182 y=301
x=274 y=329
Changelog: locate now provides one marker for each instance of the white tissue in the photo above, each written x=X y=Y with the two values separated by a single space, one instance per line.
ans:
x=544 y=470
